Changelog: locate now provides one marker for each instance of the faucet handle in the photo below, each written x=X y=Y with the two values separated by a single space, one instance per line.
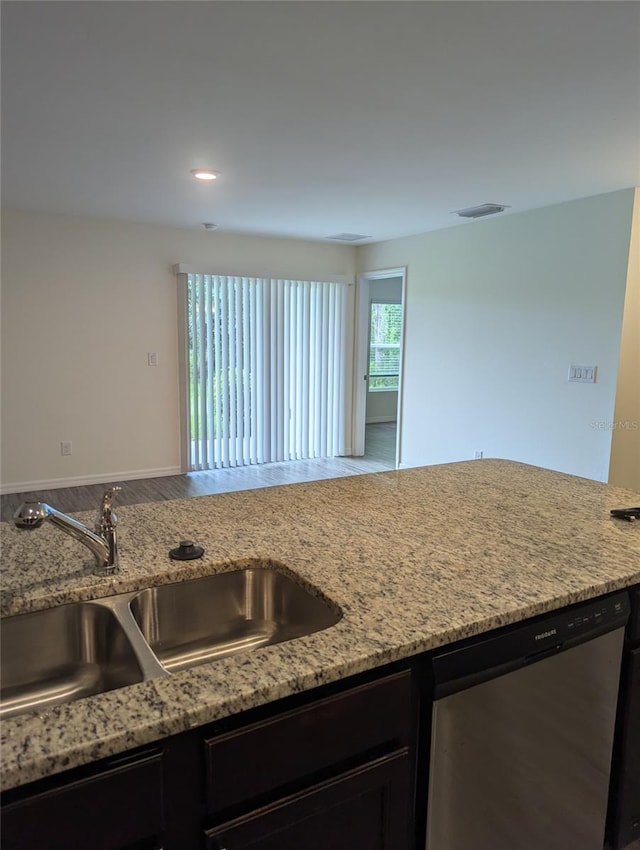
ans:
x=107 y=517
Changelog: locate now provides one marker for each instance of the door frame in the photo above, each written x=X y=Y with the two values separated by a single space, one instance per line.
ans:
x=361 y=366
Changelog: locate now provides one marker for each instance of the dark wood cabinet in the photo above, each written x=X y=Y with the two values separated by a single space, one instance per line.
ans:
x=335 y=773
x=290 y=748
x=624 y=814
x=332 y=769
x=366 y=807
x=119 y=806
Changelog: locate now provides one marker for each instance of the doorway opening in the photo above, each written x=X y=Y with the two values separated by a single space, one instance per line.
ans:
x=379 y=347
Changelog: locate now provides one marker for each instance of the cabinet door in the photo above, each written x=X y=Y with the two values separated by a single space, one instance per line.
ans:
x=365 y=808
x=117 y=808
x=626 y=804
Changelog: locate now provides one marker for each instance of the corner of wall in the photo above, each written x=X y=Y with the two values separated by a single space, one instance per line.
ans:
x=624 y=469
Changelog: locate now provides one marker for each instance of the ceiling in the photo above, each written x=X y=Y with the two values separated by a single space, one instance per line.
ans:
x=373 y=118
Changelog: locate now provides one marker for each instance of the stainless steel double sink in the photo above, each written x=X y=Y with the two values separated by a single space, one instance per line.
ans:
x=85 y=648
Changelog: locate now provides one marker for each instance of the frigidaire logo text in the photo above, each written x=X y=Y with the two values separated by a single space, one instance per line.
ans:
x=543 y=635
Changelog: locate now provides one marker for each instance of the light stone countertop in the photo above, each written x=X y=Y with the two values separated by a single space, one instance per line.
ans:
x=415 y=559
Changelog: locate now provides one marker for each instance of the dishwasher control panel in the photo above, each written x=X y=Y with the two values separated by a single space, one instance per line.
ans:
x=600 y=613
x=515 y=646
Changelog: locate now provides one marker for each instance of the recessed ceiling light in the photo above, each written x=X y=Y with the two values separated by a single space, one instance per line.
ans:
x=204 y=174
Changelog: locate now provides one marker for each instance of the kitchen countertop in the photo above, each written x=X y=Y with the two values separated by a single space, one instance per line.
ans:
x=415 y=558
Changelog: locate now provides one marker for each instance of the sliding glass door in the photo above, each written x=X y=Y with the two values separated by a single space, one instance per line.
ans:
x=266 y=370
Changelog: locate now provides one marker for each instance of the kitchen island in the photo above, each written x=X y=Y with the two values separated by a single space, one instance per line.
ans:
x=415 y=559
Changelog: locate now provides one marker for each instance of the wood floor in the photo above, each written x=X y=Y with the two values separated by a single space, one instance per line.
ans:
x=380 y=442
x=380 y=451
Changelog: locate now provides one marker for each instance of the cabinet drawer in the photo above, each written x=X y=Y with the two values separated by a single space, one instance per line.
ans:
x=110 y=810
x=252 y=761
x=364 y=808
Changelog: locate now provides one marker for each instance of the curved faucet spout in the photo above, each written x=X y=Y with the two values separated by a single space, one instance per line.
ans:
x=102 y=542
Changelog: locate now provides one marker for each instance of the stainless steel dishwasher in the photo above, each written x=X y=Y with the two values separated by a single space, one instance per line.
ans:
x=521 y=733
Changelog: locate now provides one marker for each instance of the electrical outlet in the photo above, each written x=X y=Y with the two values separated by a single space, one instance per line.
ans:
x=65 y=448
x=152 y=358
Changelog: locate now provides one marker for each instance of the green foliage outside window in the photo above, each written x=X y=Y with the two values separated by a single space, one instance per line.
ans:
x=384 y=346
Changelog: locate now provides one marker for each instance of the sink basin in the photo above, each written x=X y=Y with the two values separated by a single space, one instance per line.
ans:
x=62 y=654
x=86 y=648
x=205 y=619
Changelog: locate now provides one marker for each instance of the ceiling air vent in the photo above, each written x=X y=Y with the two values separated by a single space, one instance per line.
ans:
x=348 y=237
x=480 y=211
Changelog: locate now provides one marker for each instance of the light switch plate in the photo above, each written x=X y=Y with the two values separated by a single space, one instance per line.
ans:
x=582 y=374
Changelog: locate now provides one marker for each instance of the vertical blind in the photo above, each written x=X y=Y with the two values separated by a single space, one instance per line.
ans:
x=266 y=370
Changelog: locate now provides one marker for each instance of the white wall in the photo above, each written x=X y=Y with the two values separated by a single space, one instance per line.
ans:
x=386 y=289
x=625 y=448
x=495 y=312
x=83 y=301
x=382 y=406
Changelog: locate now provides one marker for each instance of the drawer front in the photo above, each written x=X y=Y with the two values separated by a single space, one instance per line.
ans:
x=364 y=808
x=111 y=810
x=247 y=763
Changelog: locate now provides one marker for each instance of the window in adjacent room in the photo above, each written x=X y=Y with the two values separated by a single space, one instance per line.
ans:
x=385 y=332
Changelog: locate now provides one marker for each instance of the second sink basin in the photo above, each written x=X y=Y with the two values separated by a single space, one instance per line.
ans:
x=62 y=654
x=205 y=619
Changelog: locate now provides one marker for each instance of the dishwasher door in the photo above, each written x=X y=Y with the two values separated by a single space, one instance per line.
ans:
x=522 y=761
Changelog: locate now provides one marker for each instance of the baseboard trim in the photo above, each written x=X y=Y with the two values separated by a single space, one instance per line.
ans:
x=80 y=480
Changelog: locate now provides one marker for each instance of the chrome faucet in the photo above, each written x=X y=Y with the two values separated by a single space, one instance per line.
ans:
x=103 y=542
